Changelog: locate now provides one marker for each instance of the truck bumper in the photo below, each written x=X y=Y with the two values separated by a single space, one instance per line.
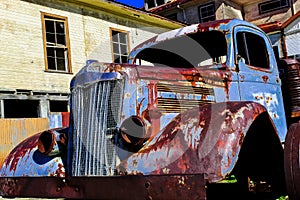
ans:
x=116 y=187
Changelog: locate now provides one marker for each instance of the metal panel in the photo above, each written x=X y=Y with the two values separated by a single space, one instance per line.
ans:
x=200 y=140
x=116 y=187
x=176 y=98
x=13 y=131
x=293 y=44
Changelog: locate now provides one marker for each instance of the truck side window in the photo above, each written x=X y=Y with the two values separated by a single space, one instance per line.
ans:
x=252 y=48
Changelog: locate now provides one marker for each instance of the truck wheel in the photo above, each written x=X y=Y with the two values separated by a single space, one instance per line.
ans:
x=292 y=162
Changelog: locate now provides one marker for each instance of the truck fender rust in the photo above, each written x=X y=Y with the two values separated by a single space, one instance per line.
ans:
x=203 y=140
x=292 y=161
x=34 y=157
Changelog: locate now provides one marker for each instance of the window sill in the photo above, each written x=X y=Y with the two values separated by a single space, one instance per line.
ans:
x=58 y=72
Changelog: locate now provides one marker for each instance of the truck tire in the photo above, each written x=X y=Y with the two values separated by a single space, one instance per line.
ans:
x=292 y=162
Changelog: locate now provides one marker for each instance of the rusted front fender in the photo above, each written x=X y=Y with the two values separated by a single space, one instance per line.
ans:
x=204 y=140
x=26 y=160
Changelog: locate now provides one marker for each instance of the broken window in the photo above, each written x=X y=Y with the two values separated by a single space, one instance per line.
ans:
x=269 y=6
x=119 y=46
x=150 y=3
x=252 y=48
x=207 y=12
x=18 y=108
x=56 y=43
x=193 y=50
x=160 y=2
x=58 y=106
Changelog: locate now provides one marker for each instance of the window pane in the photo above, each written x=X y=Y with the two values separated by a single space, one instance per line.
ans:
x=51 y=63
x=160 y=2
x=117 y=58
x=50 y=51
x=150 y=4
x=115 y=36
x=241 y=46
x=124 y=59
x=61 y=64
x=49 y=26
x=19 y=108
x=116 y=48
x=58 y=106
x=61 y=39
x=257 y=51
x=123 y=38
x=60 y=27
x=123 y=49
x=60 y=52
x=50 y=37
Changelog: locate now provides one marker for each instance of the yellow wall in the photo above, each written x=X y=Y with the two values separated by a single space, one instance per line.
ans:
x=13 y=131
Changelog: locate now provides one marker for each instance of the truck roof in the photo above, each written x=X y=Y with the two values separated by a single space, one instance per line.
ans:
x=221 y=25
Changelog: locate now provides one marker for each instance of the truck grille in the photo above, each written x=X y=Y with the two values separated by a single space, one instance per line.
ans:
x=177 y=98
x=96 y=113
x=293 y=79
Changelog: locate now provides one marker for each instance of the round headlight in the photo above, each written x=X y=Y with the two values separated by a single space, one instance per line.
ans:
x=134 y=130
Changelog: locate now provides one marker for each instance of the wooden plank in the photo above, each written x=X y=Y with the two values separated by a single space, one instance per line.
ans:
x=13 y=131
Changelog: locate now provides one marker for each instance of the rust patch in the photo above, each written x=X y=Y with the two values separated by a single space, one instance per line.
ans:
x=140 y=187
x=242 y=78
x=20 y=151
x=265 y=79
x=60 y=172
x=207 y=26
x=191 y=143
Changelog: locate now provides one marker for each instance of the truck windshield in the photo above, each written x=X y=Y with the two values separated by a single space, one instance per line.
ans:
x=193 y=50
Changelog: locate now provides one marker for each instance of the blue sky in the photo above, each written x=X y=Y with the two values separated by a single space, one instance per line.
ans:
x=134 y=3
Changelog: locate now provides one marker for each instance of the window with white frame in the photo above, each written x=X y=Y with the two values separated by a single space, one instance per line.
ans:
x=272 y=5
x=56 y=43
x=120 y=45
x=207 y=12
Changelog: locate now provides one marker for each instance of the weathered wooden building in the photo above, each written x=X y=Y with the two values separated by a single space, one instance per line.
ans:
x=44 y=43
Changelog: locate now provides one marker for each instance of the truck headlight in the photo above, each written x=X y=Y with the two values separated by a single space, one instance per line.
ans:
x=134 y=131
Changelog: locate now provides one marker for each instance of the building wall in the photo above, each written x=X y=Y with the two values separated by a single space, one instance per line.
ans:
x=292 y=39
x=22 y=60
x=252 y=13
x=228 y=10
x=191 y=10
x=13 y=131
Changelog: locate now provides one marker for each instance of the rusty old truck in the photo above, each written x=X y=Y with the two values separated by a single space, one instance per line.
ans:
x=201 y=112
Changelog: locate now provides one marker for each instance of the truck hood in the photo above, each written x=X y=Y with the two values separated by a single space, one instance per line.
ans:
x=217 y=75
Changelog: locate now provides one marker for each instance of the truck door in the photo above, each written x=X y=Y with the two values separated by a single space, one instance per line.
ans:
x=258 y=74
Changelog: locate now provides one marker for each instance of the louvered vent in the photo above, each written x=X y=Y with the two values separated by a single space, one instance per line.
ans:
x=177 y=98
